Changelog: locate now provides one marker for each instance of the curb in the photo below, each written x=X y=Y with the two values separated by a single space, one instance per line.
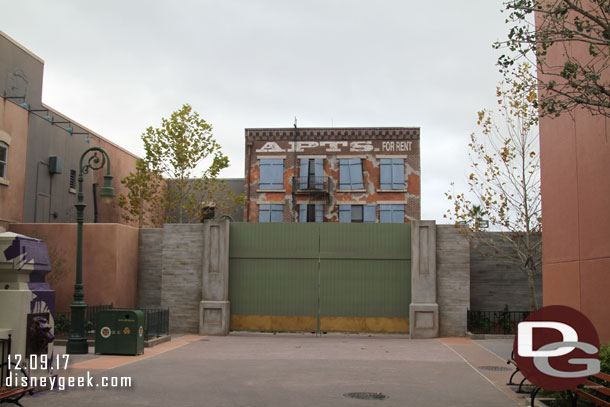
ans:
x=488 y=336
x=147 y=344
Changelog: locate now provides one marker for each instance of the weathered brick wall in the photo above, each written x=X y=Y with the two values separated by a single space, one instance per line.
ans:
x=453 y=279
x=494 y=283
x=182 y=275
x=149 y=268
x=370 y=144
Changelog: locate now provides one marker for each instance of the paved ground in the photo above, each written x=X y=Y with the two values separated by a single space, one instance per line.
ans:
x=247 y=369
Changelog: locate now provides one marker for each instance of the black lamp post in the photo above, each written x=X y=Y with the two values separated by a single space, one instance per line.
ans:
x=77 y=343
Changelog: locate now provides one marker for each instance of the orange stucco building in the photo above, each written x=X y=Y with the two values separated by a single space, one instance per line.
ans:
x=575 y=171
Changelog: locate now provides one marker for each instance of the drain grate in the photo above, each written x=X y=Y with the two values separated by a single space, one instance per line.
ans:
x=366 y=396
x=495 y=368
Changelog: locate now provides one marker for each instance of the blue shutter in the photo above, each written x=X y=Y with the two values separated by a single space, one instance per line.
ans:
x=264 y=213
x=398 y=213
x=398 y=173
x=278 y=174
x=356 y=173
x=319 y=213
x=370 y=214
x=345 y=213
x=319 y=173
x=303 y=173
x=265 y=177
x=277 y=212
x=303 y=213
x=344 y=170
x=385 y=173
x=385 y=213
x=272 y=173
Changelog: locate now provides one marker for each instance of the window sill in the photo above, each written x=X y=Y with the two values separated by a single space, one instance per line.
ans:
x=392 y=190
x=270 y=190
x=342 y=191
x=4 y=181
x=72 y=190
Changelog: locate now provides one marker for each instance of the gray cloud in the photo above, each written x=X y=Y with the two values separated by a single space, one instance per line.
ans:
x=119 y=66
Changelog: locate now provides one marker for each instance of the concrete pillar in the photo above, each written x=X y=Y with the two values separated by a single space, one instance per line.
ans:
x=423 y=311
x=214 y=311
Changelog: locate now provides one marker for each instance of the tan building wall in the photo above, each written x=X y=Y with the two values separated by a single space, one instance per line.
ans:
x=14 y=132
x=575 y=171
x=110 y=261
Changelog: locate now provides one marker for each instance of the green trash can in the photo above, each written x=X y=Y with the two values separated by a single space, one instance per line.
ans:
x=119 y=332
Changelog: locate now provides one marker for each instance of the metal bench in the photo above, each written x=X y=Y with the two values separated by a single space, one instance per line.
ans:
x=10 y=394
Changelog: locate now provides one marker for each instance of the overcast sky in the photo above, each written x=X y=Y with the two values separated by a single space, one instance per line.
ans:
x=117 y=67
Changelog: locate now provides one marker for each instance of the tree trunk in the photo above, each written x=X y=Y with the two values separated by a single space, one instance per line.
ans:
x=531 y=290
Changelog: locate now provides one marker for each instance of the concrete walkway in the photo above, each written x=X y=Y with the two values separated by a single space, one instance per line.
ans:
x=248 y=369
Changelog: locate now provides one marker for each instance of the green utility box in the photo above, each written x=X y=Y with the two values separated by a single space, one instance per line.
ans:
x=119 y=332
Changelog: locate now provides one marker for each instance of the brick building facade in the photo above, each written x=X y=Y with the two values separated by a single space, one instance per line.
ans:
x=332 y=175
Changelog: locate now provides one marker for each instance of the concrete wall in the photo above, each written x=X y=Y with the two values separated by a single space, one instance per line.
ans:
x=494 y=283
x=110 y=261
x=453 y=265
x=13 y=132
x=181 y=277
x=150 y=266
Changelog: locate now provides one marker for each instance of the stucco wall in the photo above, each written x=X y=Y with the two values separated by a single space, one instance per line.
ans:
x=13 y=131
x=575 y=163
x=110 y=261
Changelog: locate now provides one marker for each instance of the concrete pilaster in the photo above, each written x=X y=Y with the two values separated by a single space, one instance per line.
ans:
x=214 y=309
x=423 y=311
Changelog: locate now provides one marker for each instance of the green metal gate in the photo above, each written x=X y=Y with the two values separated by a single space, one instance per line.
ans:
x=320 y=277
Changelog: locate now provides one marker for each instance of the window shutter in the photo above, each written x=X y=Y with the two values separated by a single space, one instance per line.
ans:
x=356 y=173
x=278 y=174
x=271 y=173
x=398 y=173
x=398 y=214
x=303 y=173
x=303 y=213
x=385 y=213
x=319 y=173
x=370 y=215
x=345 y=213
x=277 y=212
x=385 y=173
x=344 y=174
x=319 y=213
x=264 y=213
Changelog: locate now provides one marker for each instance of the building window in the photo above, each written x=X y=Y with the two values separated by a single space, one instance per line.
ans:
x=357 y=213
x=392 y=173
x=391 y=213
x=270 y=213
x=311 y=173
x=3 y=159
x=311 y=213
x=72 y=179
x=272 y=173
x=350 y=173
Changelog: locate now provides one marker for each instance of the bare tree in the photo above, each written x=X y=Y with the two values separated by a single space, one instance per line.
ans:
x=504 y=185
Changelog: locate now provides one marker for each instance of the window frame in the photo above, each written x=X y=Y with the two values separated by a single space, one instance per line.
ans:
x=369 y=213
x=392 y=174
x=4 y=164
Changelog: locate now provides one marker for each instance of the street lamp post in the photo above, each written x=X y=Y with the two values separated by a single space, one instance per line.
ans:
x=77 y=343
